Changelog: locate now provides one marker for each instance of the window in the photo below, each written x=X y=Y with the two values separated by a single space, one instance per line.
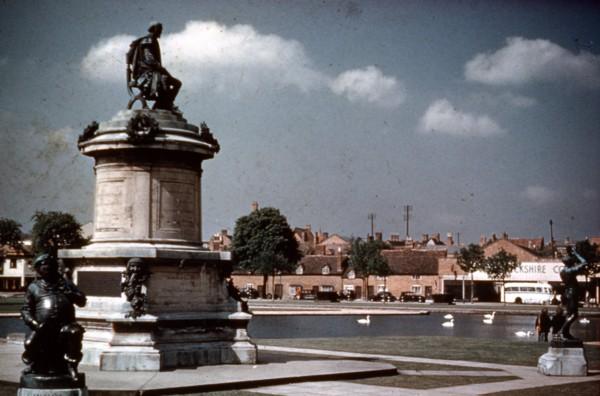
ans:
x=249 y=286
x=416 y=289
x=380 y=277
x=326 y=288
x=299 y=270
x=325 y=270
x=349 y=287
x=416 y=277
x=13 y=263
x=295 y=290
x=380 y=288
x=351 y=274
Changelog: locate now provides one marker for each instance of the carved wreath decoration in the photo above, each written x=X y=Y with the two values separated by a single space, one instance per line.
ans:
x=133 y=286
x=142 y=128
x=88 y=132
x=208 y=137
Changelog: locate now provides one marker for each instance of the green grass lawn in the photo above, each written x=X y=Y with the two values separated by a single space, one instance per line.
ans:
x=448 y=348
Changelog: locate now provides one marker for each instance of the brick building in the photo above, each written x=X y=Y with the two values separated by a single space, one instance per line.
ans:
x=15 y=271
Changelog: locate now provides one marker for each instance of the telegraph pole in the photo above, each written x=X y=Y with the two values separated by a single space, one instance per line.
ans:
x=552 y=236
x=407 y=215
x=372 y=218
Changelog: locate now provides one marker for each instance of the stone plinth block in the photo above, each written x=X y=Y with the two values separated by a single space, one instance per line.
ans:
x=51 y=385
x=567 y=362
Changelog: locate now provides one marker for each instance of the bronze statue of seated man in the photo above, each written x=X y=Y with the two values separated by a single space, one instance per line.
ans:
x=53 y=347
x=146 y=73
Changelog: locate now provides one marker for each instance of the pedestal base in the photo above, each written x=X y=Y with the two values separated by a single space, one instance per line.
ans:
x=52 y=385
x=566 y=362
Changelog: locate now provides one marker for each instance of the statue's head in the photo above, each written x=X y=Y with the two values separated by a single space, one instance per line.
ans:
x=45 y=265
x=155 y=29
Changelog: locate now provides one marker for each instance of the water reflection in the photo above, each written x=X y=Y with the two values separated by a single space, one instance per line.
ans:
x=504 y=326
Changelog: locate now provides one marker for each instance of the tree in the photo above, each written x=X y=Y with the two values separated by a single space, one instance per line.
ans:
x=264 y=243
x=366 y=259
x=500 y=265
x=55 y=230
x=470 y=259
x=10 y=235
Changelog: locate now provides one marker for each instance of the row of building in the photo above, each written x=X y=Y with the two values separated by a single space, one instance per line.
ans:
x=424 y=266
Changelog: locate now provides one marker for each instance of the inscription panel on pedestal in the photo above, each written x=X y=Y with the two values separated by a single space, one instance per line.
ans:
x=111 y=212
x=176 y=205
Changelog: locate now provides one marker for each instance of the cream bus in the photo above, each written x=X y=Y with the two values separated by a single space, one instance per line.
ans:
x=528 y=293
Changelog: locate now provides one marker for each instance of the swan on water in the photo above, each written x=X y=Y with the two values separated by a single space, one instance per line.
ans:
x=365 y=321
x=489 y=320
x=448 y=316
x=490 y=316
x=584 y=321
x=449 y=324
x=522 y=333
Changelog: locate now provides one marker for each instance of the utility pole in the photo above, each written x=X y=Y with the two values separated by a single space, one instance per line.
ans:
x=552 y=237
x=407 y=215
x=372 y=218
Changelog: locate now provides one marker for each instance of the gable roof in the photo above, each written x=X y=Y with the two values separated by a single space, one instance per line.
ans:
x=314 y=263
x=413 y=262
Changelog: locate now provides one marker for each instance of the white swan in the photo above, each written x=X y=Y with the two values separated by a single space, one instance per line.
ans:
x=449 y=324
x=490 y=316
x=522 y=333
x=365 y=321
x=489 y=320
x=448 y=316
x=584 y=321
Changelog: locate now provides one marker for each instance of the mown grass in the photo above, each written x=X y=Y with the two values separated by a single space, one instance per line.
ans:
x=447 y=348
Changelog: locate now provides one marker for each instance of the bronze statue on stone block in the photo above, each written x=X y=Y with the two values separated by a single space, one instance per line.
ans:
x=146 y=74
x=574 y=265
x=53 y=348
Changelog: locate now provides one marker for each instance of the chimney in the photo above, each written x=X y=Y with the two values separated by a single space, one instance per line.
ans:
x=494 y=237
x=395 y=237
x=224 y=232
x=437 y=237
x=379 y=236
x=325 y=235
x=307 y=227
x=450 y=239
x=504 y=235
x=424 y=238
x=482 y=240
x=254 y=206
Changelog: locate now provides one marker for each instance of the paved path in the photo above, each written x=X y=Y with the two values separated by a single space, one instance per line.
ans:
x=528 y=378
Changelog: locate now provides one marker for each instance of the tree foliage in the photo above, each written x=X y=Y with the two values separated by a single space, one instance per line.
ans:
x=366 y=258
x=500 y=264
x=470 y=259
x=263 y=243
x=10 y=233
x=55 y=230
x=589 y=251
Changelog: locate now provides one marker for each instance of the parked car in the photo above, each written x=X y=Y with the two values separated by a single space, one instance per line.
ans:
x=443 y=298
x=330 y=296
x=384 y=296
x=412 y=297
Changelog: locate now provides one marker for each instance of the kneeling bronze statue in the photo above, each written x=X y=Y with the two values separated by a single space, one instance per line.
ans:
x=53 y=348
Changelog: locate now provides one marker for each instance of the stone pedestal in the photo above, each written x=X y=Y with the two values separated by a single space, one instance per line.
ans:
x=148 y=207
x=564 y=358
x=39 y=385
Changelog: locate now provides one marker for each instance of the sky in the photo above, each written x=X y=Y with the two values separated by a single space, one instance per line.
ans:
x=483 y=116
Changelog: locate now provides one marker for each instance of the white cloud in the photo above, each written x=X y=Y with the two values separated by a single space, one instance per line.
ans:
x=442 y=117
x=518 y=100
x=237 y=59
x=540 y=195
x=369 y=85
x=211 y=54
x=522 y=60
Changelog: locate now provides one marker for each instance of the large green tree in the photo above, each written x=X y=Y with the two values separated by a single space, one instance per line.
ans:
x=55 y=230
x=500 y=265
x=263 y=243
x=10 y=235
x=470 y=259
x=366 y=259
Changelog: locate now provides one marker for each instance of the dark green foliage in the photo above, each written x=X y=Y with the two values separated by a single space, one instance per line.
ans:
x=263 y=243
x=500 y=264
x=366 y=259
x=10 y=233
x=471 y=259
x=55 y=230
x=589 y=252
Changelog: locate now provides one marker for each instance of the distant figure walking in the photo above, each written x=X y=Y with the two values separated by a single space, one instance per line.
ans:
x=543 y=324
x=557 y=321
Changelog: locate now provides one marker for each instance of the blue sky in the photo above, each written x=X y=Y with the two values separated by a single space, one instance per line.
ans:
x=481 y=115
